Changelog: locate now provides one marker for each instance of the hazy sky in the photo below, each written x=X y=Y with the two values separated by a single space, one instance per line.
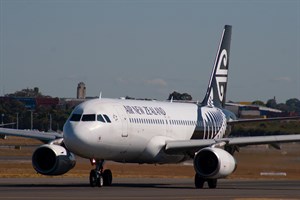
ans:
x=149 y=48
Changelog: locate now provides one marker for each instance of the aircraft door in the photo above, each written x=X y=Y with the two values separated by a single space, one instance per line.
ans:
x=168 y=126
x=123 y=120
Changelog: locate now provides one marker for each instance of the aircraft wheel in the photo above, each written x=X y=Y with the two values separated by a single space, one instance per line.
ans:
x=212 y=183
x=107 y=177
x=199 y=181
x=93 y=178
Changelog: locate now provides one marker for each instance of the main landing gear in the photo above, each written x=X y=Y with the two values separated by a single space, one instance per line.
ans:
x=199 y=182
x=98 y=177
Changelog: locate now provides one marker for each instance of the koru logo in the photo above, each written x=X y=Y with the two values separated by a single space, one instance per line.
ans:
x=221 y=74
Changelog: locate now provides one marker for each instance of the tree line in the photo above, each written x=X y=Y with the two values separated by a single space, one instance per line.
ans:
x=15 y=111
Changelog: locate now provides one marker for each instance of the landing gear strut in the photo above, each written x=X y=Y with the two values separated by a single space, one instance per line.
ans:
x=98 y=177
x=199 y=182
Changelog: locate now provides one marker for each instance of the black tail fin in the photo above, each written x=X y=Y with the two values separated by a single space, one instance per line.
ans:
x=216 y=91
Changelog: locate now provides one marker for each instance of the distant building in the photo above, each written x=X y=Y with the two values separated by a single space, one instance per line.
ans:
x=247 y=110
x=81 y=91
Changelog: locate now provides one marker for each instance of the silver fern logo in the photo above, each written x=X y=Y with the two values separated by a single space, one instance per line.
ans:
x=221 y=73
x=210 y=101
x=214 y=122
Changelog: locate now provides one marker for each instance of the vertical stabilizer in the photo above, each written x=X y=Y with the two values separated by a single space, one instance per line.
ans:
x=216 y=91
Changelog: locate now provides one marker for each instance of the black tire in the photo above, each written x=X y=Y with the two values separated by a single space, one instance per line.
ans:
x=212 y=183
x=199 y=181
x=93 y=178
x=107 y=177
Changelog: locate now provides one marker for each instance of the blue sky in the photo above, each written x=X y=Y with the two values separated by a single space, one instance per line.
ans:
x=149 y=48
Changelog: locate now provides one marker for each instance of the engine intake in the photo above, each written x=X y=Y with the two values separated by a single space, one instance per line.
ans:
x=214 y=163
x=52 y=160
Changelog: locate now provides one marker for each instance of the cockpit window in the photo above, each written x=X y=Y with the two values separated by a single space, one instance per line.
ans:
x=88 y=118
x=100 y=118
x=75 y=117
x=107 y=118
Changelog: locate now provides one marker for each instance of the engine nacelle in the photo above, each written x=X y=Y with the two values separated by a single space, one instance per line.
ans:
x=50 y=159
x=214 y=163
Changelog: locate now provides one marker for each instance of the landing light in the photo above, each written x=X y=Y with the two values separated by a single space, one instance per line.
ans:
x=93 y=161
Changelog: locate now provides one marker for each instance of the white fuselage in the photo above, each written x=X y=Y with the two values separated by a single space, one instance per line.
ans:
x=136 y=131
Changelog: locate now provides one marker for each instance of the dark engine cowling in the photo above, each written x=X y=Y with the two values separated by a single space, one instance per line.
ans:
x=50 y=159
x=214 y=163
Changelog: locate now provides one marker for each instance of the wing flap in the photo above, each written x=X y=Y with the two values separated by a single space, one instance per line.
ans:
x=263 y=139
x=262 y=119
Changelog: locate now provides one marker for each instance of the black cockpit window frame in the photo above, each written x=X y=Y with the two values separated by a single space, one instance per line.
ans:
x=88 y=118
x=75 y=117
x=107 y=118
x=100 y=118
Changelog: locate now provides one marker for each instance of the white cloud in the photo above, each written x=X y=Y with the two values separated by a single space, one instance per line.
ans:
x=283 y=79
x=121 y=80
x=157 y=82
x=73 y=77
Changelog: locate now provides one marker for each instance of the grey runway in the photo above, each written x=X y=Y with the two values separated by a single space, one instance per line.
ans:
x=144 y=188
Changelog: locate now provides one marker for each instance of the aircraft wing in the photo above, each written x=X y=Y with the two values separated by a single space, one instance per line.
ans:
x=262 y=119
x=42 y=136
x=180 y=146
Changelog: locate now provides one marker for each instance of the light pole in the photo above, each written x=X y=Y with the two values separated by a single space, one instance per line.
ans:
x=17 y=120
x=31 y=120
x=50 y=122
x=2 y=116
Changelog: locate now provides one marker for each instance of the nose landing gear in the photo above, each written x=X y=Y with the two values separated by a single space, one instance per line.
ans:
x=98 y=177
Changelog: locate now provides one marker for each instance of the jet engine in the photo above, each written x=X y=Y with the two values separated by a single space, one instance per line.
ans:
x=50 y=159
x=214 y=163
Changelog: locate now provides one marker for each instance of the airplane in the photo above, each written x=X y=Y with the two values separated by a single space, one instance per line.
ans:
x=154 y=132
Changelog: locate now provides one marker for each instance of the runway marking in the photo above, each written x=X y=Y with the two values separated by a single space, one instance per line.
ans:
x=273 y=173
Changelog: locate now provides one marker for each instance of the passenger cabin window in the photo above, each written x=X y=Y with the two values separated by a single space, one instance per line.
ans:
x=88 y=118
x=75 y=117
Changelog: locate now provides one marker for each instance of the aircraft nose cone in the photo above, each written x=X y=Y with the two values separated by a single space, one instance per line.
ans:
x=67 y=130
x=72 y=137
